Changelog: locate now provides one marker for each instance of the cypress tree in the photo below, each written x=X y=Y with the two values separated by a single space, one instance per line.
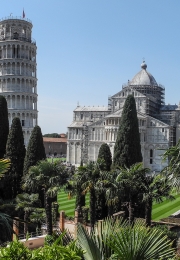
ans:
x=101 y=205
x=15 y=151
x=127 y=150
x=105 y=154
x=35 y=150
x=4 y=126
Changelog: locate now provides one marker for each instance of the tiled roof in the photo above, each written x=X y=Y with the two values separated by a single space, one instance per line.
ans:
x=62 y=135
x=54 y=140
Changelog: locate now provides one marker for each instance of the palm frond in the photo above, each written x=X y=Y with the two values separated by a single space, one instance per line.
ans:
x=92 y=252
x=4 y=166
x=6 y=225
x=138 y=242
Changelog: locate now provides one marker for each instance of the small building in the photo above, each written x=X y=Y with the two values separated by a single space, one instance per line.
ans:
x=56 y=146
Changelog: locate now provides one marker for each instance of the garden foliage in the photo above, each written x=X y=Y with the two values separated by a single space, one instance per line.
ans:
x=105 y=154
x=127 y=150
x=15 y=151
x=4 y=125
x=35 y=150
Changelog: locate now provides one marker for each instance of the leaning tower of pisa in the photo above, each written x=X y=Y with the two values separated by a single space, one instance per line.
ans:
x=18 y=81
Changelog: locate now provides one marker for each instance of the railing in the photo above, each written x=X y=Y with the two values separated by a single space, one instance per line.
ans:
x=17 y=38
x=17 y=73
x=15 y=17
x=128 y=84
x=28 y=235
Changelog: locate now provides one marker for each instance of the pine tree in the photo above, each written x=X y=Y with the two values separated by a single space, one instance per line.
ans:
x=4 y=126
x=105 y=154
x=15 y=151
x=35 y=150
x=127 y=150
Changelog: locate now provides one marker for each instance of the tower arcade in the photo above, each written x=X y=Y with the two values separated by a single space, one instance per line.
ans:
x=18 y=81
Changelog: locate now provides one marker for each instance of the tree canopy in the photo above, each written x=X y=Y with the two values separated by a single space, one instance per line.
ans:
x=5 y=220
x=35 y=150
x=15 y=151
x=127 y=150
x=4 y=125
x=53 y=135
x=49 y=177
x=105 y=154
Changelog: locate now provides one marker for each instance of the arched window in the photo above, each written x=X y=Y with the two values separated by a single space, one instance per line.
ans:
x=151 y=153
x=15 y=35
x=151 y=156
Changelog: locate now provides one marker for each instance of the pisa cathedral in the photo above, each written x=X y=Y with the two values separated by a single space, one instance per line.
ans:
x=18 y=81
x=159 y=124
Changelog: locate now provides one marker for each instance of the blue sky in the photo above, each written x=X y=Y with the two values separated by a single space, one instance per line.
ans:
x=88 y=48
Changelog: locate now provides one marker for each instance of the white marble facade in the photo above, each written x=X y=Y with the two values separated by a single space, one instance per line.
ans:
x=18 y=81
x=159 y=124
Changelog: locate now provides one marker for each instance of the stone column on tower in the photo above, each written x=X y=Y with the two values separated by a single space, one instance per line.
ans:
x=16 y=44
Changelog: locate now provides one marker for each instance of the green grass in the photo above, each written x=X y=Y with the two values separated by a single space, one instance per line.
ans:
x=56 y=159
x=166 y=208
x=68 y=205
x=160 y=210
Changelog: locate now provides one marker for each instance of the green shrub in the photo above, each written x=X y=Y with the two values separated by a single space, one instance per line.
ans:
x=170 y=234
x=15 y=251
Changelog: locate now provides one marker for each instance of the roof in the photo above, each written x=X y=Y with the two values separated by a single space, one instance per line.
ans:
x=91 y=108
x=117 y=114
x=140 y=115
x=54 y=140
x=169 y=107
x=62 y=135
x=127 y=87
x=79 y=123
x=143 y=78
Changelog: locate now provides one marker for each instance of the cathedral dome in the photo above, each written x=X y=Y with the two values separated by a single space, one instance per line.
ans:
x=143 y=78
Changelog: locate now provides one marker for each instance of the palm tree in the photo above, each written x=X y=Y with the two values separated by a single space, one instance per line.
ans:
x=27 y=203
x=49 y=176
x=38 y=217
x=113 y=191
x=74 y=186
x=130 y=181
x=5 y=220
x=107 y=196
x=91 y=175
x=139 y=242
x=6 y=227
x=4 y=166
x=118 y=240
x=101 y=202
x=173 y=169
x=155 y=188
x=94 y=244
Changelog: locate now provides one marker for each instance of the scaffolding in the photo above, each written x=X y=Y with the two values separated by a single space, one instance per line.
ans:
x=172 y=136
x=109 y=102
x=155 y=95
x=84 y=144
x=157 y=92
